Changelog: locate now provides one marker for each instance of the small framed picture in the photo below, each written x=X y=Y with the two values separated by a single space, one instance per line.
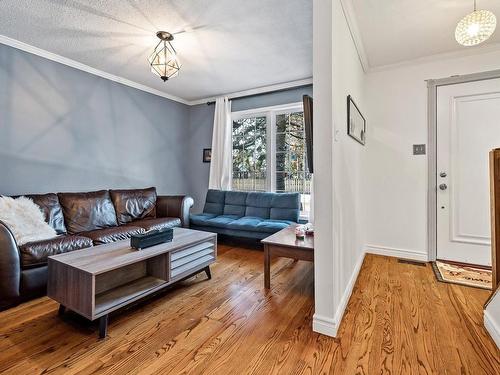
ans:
x=356 y=123
x=207 y=155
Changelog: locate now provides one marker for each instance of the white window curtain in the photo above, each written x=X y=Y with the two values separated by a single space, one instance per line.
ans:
x=221 y=165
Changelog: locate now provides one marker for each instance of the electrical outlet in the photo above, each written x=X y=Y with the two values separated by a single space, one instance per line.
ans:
x=419 y=149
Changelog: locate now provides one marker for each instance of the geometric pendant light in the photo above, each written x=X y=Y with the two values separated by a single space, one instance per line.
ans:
x=163 y=60
x=476 y=27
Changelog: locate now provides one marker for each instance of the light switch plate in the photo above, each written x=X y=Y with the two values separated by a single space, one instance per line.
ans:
x=419 y=149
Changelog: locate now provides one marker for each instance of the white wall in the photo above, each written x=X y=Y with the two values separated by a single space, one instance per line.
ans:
x=339 y=236
x=395 y=181
x=492 y=318
x=348 y=160
x=374 y=197
x=324 y=265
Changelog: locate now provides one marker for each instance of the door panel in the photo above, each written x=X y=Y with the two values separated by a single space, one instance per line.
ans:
x=468 y=127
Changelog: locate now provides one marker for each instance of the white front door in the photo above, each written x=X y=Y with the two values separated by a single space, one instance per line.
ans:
x=468 y=127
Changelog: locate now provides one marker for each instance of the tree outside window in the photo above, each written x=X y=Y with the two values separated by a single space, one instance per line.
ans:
x=269 y=152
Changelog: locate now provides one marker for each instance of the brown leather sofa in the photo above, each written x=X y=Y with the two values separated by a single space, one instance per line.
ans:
x=82 y=220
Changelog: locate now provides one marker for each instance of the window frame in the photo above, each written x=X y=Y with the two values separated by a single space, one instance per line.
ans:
x=270 y=113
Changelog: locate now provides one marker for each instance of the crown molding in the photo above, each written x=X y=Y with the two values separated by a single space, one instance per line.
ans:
x=352 y=24
x=467 y=51
x=258 y=90
x=350 y=17
x=88 y=69
x=77 y=65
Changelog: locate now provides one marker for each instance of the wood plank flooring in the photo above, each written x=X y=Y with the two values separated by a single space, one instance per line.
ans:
x=399 y=320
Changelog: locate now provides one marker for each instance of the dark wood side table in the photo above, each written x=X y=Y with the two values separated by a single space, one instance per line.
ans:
x=285 y=244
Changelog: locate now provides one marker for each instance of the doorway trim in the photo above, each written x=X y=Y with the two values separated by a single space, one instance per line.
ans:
x=432 y=85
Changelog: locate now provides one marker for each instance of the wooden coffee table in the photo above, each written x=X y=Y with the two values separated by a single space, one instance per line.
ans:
x=96 y=281
x=285 y=244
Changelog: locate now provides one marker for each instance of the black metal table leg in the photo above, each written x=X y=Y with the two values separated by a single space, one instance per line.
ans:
x=103 y=326
x=62 y=309
x=207 y=271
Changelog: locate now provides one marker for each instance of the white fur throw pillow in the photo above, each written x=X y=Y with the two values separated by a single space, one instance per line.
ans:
x=25 y=219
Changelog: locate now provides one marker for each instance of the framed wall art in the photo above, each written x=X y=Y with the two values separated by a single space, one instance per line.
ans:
x=356 y=123
x=207 y=155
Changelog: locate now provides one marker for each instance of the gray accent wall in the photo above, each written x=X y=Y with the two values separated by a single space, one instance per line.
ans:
x=201 y=118
x=62 y=129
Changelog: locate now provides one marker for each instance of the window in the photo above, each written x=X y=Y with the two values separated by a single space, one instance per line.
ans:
x=269 y=152
x=249 y=153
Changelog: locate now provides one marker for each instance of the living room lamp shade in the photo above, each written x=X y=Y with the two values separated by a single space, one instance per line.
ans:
x=163 y=60
x=475 y=27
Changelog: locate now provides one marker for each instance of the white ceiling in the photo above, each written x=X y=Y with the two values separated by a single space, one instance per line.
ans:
x=224 y=46
x=393 y=31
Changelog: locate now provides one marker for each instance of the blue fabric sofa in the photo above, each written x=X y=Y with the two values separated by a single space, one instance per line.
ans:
x=247 y=214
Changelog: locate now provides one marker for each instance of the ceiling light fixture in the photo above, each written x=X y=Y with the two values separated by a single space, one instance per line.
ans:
x=476 y=27
x=163 y=60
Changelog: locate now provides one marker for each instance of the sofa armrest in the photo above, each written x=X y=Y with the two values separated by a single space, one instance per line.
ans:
x=174 y=206
x=10 y=268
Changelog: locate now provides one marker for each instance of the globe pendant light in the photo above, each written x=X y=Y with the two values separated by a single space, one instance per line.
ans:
x=476 y=27
x=163 y=60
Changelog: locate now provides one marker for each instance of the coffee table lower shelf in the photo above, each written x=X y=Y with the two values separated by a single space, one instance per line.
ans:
x=124 y=294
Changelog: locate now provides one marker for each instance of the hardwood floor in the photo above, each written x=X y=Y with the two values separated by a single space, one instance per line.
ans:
x=400 y=320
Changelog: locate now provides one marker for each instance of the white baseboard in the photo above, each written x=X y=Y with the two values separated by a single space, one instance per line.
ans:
x=397 y=253
x=324 y=325
x=492 y=328
x=329 y=326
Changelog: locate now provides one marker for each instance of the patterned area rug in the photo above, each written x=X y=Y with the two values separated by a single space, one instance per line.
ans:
x=464 y=275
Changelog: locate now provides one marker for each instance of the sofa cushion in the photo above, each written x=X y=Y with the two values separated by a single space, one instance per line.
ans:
x=230 y=209
x=134 y=204
x=285 y=206
x=236 y=198
x=156 y=224
x=34 y=254
x=214 y=203
x=221 y=221
x=259 y=204
x=273 y=226
x=108 y=235
x=259 y=199
x=49 y=203
x=200 y=219
x=33 y=282
x=245 y=223
x=291 y=214
x=286 y=200
x=235 y=203
x=87 y=211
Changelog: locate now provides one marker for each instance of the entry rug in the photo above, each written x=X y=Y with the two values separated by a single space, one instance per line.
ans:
x=461 y=274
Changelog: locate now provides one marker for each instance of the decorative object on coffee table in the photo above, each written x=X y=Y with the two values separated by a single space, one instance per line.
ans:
x=151 y=238
x=285 y=244
x=356 y=123
x=300 y=232
x=97 y=281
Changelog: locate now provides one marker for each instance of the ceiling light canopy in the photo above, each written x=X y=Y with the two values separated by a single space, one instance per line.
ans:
x=476 y=27
x=163 y=60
